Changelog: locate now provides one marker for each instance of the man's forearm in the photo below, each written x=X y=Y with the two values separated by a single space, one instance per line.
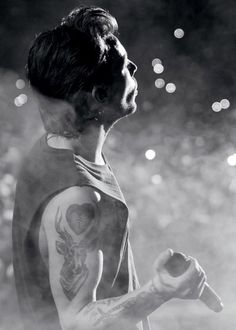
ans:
x=120 y=312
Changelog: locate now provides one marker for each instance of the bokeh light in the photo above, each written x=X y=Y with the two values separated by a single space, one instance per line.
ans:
x=179 y=33
x=150 y=154
x=158 y=68
x=216 y=107
x=186 y=160
x=170 y=88
x=156 y=179
x=8 y=215
x=231 y=160
x=20 y=100
x=7 y=185
x=5 y=190
x=156 y=61
x=160 y=83
x=10 y=271
x=147 y=105
x=225 y=104
x=9 y=179
x=20 y=84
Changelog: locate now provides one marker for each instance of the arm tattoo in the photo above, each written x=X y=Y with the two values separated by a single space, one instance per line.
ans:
x=81 y=220
x=79 y=217
x=126 y=309
x=113 y=311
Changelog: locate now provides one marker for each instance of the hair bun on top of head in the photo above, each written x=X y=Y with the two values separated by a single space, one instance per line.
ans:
x=92 y=21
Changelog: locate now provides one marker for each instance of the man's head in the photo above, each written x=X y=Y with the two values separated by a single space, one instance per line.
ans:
x=81 y=62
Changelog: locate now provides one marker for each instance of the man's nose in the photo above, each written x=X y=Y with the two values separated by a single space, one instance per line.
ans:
x=133 y=68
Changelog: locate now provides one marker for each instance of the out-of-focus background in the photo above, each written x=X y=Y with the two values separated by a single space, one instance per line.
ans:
x=175 y=158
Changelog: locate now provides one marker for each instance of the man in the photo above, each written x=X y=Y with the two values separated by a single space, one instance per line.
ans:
x=72 y=258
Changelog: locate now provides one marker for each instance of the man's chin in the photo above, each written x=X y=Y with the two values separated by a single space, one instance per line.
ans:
x=130 y=109
x=133 y=109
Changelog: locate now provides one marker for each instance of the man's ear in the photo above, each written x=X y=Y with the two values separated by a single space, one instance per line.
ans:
x=100 y=93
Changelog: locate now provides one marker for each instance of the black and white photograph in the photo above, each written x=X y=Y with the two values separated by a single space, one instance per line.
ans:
x=117 y=165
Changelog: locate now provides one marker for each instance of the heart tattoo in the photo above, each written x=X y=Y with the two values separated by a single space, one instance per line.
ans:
x=79 y=217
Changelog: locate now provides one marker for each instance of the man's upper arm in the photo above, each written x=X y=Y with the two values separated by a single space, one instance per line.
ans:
x=71 y=223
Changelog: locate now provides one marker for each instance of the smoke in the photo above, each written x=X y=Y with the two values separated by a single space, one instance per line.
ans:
x=185 y=197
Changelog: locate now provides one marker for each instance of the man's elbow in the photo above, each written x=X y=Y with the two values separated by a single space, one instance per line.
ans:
x=71 y=321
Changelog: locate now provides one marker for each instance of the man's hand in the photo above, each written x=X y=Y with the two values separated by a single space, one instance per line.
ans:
x=189 y=285
x=71 y=222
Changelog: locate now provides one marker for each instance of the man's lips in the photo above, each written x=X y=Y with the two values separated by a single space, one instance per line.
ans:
x=135 y=89
x=136 y=83
x=133 y=93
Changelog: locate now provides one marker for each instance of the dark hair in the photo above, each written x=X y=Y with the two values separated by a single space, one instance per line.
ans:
x=66 y=61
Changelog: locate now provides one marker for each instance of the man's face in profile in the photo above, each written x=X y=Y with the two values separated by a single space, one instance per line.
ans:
x=123 y=89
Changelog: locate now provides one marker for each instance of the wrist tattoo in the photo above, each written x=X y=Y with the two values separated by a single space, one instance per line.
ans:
x=131 y=309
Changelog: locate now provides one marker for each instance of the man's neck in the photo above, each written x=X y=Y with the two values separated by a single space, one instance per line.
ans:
x=88 y=145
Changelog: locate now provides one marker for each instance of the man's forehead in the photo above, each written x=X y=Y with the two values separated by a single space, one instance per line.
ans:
x=118 y=51
x=120 y=48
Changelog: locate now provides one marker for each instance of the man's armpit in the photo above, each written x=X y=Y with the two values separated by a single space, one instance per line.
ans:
x=81 y=220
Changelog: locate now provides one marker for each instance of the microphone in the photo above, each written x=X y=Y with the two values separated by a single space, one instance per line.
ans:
x=177 y=265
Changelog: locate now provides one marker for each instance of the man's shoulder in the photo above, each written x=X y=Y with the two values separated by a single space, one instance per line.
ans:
x=76 y=193
x=76 y=198
x=32 y=157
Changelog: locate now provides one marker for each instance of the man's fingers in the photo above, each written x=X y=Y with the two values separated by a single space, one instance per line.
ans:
x=195 y=277
x=197 y=291
x=193 y=272
x=201 y=286
x=163 y=258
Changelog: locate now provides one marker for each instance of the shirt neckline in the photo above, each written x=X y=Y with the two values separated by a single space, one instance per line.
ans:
x=75 y=156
